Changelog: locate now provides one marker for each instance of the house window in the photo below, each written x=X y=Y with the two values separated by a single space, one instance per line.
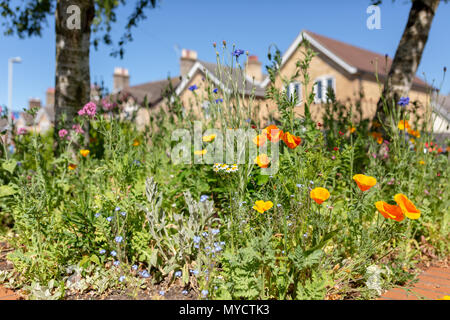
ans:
x=293 y=91
x=321 y=87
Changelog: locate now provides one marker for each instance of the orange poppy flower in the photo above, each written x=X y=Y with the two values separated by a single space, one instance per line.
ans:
x=364 y=182
x=259 y=140
x=352 y=129
x=415 y=133
x=261 y=206
x=403 y=124
x=262 y=160
x=84 y=152
x=136 y=142
x=273 y=133
x=72 y=166
x=291 y=140
x=390 y=211
x=319 y=194
x=408 y=208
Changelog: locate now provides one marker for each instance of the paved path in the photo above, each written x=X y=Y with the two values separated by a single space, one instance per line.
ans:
x=6 y=294
x=432 y=284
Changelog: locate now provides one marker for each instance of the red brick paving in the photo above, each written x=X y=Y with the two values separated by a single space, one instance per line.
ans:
x=432 y=284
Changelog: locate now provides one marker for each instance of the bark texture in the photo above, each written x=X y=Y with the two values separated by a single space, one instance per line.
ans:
x=72 y=78
x=409 y=53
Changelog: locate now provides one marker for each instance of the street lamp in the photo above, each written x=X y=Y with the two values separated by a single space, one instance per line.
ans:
x=11 y=61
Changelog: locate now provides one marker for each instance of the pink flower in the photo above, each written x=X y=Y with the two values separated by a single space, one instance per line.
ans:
x=426 y=192
x=77 y=128
x=22 y=131
x=107 y=106
x=374 y=155
x=89 y=109
x=333 y=157
x=391 y=181
x=62 y=133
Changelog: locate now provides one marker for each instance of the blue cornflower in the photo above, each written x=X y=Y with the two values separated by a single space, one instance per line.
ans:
x=404 y=101
x=215 y=231
x=184 y=292
x=237 y=53
x=117 y=209
x=118 y=239
x=97 y=214
x=116 y=263
x=205 y=234
x=178 y=274
x=113 y=253
x=109 y=219
x=219 y=100
x=162 y=292
x=248 y=120
x=197 y=239
x=216 y=90
x=145 y=274
x=203 y=198
x=123 y=213
x=19 y=163
x=102 y=251
x=121 y=278
x=134 y=267
x=205 y=293
x=193 y=87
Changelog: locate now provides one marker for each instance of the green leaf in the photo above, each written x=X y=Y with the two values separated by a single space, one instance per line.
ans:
x=262 y=179
x=7 y=190
x=9 y=165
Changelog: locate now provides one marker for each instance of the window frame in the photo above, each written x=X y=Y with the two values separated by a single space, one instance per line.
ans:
x=324 y=84
x=290 y=89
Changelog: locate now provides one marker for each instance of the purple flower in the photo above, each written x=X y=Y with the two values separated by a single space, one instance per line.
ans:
x=193 y=87
x=145 y=274
x=204 y=293
x=178 y=274
x=134 y=267
x=216 y=90
x=219 y=100
x=102 y=251
x=237 y=53
x=203 y=198
x=404 y=101
x=118 y=239
x=113 y=253
x=162 y=293
x=116 y=263
x=22 y=131
x=123 y=213
x=121 y=278
x=196 y=239
x=97 y=214
x=109 y=219
x=185 y=292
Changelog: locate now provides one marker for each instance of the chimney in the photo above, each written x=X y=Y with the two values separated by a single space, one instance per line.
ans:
x=50 y=97
x=34 y=103
x=188 y=58
x=254 y=68
x=121 y=79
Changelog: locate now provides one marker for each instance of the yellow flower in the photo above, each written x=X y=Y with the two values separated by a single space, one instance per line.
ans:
x=72 y=166
x=200 y=152
x=352 y=129
x=422 y=162
x=262 y=160
x=209 y=138
x=408 y=208
x=445 y=298
x=261 y=206
x=319 y=194
x=364 y=182
x=84 y=152
x=136 y=142
x=403 y=124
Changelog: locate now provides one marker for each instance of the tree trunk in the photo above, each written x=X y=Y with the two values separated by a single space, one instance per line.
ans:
x=408 y=54
x=73 y=19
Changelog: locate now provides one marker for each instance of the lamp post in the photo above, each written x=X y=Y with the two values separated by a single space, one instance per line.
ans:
x=11 y=61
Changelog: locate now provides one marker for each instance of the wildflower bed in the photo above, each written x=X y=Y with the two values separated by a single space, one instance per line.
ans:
x=337 y=212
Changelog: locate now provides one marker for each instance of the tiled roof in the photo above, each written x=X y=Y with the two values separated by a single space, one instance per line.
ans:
x=152 y=90
x=362 y=59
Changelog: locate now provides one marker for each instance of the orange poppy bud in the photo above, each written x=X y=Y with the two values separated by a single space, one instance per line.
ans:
x=291 y=140
x=390 y=211
x=136 y=142
x=364 y=182
x=262 y=160
x=408 y=208
x=319 y=194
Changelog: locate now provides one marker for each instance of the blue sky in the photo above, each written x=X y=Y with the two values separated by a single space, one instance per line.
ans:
x=251 y=24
